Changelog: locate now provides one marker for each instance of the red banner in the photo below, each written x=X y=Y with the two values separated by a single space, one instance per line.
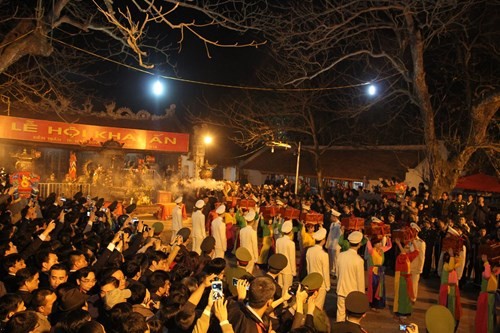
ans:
x=89 y=135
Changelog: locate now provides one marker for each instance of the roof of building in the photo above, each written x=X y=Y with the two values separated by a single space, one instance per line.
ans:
x=345 y=163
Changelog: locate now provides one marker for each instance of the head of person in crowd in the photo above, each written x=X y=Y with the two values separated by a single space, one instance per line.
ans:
x=86 y=279
x=7 y=247
x=243 y=256
x=45 y=259
x=159 y=283
x=438 y=319
x=58 y=275
x=91 y=326
x=287 y=228
x=191 y=283
x=172 y=305
x=108 y=284
x=158 y=261
x=355 y=239
x=117 y=315
x=442 y=224
x=208 y=246
x=135 y=266
x=320 y=236
x=117 y=274
x=43 y=301
x=356 y=305
x=70 y=298
x=261 y=294
x=10 y=304
x=276 y=263
x=28 y=279
x=216 y=266
x=134 y=323
x=72 y=321
x=22 y=322
x=12 y=263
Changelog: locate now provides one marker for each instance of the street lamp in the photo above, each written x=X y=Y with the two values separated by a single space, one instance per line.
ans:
x=208 y=139
x=157 y=88
x=297 y=170
x=372 y=90
x=273 y=144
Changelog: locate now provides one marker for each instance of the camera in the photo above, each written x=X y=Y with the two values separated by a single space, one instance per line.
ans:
x=293 y=289
x=402 y=327
x=34 y=193
x=235 y=282
x=217 y=289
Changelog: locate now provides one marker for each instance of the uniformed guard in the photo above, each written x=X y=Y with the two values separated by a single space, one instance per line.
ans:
x=233 y=274
x=356 y=304
x=313 y=282
x=176 y=217
x=317 y=262
x=286 y=247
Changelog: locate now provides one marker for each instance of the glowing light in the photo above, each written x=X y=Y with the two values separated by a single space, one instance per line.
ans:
x=208 y=139
x=372 y=90
x=158 y=88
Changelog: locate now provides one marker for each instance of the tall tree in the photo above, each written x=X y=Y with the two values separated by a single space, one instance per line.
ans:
x=49 y=48
x=436 y=63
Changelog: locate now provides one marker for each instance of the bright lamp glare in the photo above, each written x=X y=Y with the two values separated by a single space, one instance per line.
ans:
x=208 y=139
x=158 y=88
x=372 y=90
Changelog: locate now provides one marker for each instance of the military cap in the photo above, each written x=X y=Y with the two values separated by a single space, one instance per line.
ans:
x=335 y=213
x=355 y=237
x=178 y=200
x=221 y=209
x=313 y=281
x=287 y=226
x=121 y=219
x=357 y=302
x=250 y=216
x=277 y=261
x=415 y=226
x=99 y=203
x=320 y=234
x=376 y=220
x=113 y=206
x=81 y=200
x=130 y=208
x=242 y=254
x=184 y=232
x=438 y=319
x=199 y=204
x=158 y=227
x=77 y=195
x=208 y=244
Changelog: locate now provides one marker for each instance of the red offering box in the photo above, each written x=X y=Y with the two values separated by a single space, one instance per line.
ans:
x=247 y=203
x=454 y=242
x=492 y=250
x=378 y=229
x=353 y=223
x=405 y=235
x=270 y=211
x=311 y=217
x=290 y=213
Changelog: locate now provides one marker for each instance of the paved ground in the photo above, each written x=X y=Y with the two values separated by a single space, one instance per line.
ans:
x=383 y=321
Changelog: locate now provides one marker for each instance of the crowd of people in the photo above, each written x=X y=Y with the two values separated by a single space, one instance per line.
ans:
x=77 y=265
